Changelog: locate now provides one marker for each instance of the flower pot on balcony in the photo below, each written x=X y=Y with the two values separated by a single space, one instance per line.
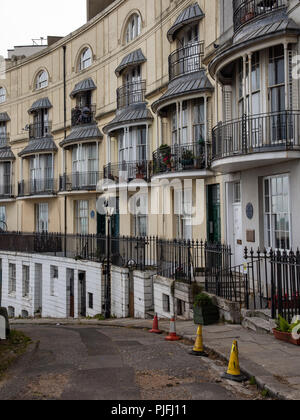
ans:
x=286 y=337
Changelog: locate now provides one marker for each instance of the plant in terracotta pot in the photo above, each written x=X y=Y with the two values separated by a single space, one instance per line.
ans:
x=285 y=331
x=205 y=311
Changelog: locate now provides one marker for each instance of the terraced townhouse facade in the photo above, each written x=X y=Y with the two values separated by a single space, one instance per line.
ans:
x=156 y=94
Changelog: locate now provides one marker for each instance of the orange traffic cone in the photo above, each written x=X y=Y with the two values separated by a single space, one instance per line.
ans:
x=155 y=329
x=172 y=335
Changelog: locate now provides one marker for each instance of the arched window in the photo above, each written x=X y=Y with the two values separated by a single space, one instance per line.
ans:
x=85 y=59
x=2 y=95
x=133 y=28
x=41 y=80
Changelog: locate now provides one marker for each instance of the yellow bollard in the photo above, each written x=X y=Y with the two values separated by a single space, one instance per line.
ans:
x=198 y=349
x=234 y=371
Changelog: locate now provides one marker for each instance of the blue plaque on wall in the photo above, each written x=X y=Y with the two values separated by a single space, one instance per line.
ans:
x=93 y=214
x=250 y=211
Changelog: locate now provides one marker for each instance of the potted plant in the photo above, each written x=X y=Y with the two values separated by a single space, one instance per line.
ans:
x=187 y=158
x=205 y=311
x=284 y=331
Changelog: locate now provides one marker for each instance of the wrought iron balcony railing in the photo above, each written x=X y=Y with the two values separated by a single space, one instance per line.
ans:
x=131 y=93
x=40 y=130
x=128 y=171
x=186 y=60
x=257 y=133
x=246 y=10
x=4 y=139
x=41 y=186
x=179 y=158
x=80 y=181
x=83 y=115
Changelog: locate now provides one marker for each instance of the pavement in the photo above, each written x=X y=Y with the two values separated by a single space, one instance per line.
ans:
x=275 y=365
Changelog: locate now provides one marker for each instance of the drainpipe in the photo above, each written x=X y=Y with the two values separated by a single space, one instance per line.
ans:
x=65 y=136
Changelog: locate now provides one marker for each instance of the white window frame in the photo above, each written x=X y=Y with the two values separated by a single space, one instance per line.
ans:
x=86 y=58
x=2 y=95
x=82 y=213
x=12 y=279
x=42 y=80
x=133 y=28
x=270 y=214
x=25 y=281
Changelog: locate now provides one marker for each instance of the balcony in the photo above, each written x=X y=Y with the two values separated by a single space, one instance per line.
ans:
x=131 y=94
x=40 y=130
x=245 y=11
x=257 y=140
x=34 y=187
x=83 y=115
x=4 y=139
x=186 y=60
x=80 y=181
x=128 y=171
x=6 y=188
x=179 y=158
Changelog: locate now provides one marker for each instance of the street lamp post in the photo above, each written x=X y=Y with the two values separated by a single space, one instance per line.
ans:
x=109 y=211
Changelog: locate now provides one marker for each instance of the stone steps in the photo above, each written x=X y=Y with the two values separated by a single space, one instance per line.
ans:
x=258 y=325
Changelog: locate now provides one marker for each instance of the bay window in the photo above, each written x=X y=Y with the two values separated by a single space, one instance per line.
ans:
x=85 y=165
x=41 y=173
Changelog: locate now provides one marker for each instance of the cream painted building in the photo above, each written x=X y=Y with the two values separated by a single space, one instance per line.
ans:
x=126 y=98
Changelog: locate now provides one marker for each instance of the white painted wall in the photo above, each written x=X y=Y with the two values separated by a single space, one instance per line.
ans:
x=55 y=306
x=143 y=293
x=119 y=292
x=163 y=286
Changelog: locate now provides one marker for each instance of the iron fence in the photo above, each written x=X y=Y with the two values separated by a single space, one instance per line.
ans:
x=246 y=10
x=273 y=131
x=179 y=158
x=128 y=171
x=80 y=181
x=38 y=186
x=83 y=115
x=40 y=130
x=131 y=93
x=186 y=60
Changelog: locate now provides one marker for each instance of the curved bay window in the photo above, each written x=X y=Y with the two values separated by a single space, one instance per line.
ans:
x=84 y=166
x=41 y=174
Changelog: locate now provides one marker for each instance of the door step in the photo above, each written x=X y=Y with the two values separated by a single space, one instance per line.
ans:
x=257 y=313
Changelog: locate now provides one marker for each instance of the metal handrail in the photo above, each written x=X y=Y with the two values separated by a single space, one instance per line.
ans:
x=131 y=93
x=186 y=60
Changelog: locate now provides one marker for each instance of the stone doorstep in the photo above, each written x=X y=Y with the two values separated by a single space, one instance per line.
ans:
x=258 y=325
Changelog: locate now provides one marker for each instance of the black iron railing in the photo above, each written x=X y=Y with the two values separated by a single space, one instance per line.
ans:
x=128 y=171
x=179 y=158
x=37 y=187
x=4 y=139
x=245 y=11
x=83 y=115
x=186 y=60
x=80 y=181
x=131 y=93
x=40 y=130
x=257 y=133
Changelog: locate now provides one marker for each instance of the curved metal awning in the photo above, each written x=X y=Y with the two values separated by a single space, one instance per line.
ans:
x=267 y=27
x=42 y=103
x=4 y=117
x=191 y=14
x=6 y=154
x=134 y=114
x=45 y=145
x=195 y=83
x=83 y=86
x=132 y=59
x=81 y=134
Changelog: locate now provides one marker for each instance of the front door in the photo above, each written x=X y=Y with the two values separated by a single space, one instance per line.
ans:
x=213 y=214
x=82 y=294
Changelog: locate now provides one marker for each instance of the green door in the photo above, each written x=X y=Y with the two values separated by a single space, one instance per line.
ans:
x=213 y=214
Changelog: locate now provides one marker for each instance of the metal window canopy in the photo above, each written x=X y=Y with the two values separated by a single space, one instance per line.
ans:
x=42 y=103
x=86 y=85
x=191 y=14
x=133 y=59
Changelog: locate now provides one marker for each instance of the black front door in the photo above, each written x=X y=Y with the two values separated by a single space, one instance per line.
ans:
x=213 y=214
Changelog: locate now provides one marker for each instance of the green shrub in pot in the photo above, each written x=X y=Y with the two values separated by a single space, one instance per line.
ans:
x=205 y=311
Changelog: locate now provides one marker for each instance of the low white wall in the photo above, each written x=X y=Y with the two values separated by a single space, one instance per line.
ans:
x=163 y=286
x=119 y=292
x=143 y=293
x=55 y=306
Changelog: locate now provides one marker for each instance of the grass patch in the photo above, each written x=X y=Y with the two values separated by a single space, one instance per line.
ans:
x=252 y=381
x=265 y=393
x=11 y=349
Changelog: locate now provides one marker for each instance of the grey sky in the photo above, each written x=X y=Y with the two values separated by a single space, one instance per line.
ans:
x=24 y=20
